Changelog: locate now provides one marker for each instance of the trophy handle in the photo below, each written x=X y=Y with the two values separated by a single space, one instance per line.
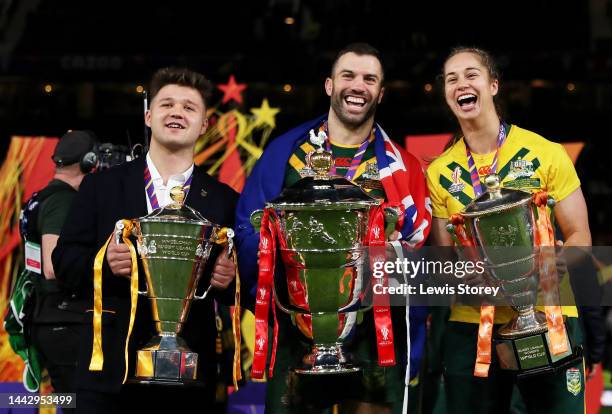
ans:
x=255 y=219
x=119 y=226
x=229 y=242
x=203 y=296
x=278 y=303
x=205 y=256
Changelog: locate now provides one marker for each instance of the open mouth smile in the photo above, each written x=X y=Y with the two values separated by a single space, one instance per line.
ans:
x=467 y=101
x=174 y=125
x=355 y=101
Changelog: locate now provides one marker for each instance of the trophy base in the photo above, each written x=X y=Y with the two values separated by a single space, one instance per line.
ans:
x=325 y=360
x=166 y=360
x=528 y=352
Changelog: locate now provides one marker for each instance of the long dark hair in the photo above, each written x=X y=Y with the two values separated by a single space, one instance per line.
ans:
x=489 y=63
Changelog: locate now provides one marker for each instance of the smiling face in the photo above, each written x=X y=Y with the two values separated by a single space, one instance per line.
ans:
x=177 y=117
x=468 y=87
x=355 y=88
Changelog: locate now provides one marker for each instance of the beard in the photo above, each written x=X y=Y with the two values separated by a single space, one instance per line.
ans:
x=352 y=121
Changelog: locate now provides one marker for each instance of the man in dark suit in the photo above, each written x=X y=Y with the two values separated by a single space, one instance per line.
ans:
x=177 y=117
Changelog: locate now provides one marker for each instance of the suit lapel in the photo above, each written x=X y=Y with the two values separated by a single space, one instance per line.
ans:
x=198 y=194
x=133 y=190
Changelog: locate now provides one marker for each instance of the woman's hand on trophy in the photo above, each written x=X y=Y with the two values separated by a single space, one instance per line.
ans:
x=119 y=259
x=223 y=272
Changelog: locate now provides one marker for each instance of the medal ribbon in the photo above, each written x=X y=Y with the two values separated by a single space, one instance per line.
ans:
x=350 y=174
x=545 y=241
x=150 y=188
x=267 y=260
x=472 y=165
x=382 y=312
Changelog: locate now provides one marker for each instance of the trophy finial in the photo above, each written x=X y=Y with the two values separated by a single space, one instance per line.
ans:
x=318 y=139
x=320 y=161
x=493 y=184
x=177 y=194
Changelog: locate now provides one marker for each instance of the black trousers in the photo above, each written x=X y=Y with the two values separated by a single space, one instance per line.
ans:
x=58 y=347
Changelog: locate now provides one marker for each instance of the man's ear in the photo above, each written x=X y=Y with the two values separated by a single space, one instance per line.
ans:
x=148 y=118
x=329 y=85
x=382 y=92
x=204 y=126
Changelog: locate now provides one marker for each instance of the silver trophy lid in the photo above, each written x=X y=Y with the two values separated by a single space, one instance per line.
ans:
x=330 y=193
x=495 y=198
x=176 y=211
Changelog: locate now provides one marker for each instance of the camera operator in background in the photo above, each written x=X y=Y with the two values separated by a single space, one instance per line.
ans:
x=56 y=312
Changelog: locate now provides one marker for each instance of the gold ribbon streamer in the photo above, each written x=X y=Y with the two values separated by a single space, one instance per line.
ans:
x=97 y=357
x=127 y=230
x=223 y=239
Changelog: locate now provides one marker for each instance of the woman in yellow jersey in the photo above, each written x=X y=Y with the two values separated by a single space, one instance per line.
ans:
x=523 y=160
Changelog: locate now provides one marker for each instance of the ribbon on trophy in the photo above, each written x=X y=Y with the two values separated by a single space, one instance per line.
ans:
x=296 y=290
x=487 y=312
x=382 y=312
x=225 y=237
x=97 y=356
x=545 y=240
x=265 y=286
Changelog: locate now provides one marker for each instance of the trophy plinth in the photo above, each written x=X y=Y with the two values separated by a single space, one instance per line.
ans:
x=166 y=358
x=321 y=360
x=501 y=224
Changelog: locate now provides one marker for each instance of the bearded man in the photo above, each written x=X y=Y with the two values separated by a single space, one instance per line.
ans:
x=365 y=155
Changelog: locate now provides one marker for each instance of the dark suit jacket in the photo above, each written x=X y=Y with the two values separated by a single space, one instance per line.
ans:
x=103 y=199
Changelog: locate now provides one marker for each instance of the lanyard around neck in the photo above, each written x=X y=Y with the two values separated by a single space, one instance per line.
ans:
x=150 y=188
x=350 y=174
x=501 y=137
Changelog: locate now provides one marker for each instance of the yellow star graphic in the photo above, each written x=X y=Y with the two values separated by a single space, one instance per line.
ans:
x=264 y=115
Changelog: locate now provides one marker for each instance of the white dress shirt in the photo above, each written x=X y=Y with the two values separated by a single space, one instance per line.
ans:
x=163 y=191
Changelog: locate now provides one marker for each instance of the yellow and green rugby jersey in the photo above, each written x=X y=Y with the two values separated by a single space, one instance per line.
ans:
x=527 y=162
x=366 y=175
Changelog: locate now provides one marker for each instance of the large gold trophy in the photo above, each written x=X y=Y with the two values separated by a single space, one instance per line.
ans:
x=173 y=244
x=323 y=223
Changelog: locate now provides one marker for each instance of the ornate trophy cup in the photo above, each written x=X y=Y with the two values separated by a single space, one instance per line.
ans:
x=501 y=226
x=322 y=226
x=174 y=244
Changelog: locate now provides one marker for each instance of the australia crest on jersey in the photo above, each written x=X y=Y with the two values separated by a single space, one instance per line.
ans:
x=457 y=186
x=573 y=381
x=520 y=168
